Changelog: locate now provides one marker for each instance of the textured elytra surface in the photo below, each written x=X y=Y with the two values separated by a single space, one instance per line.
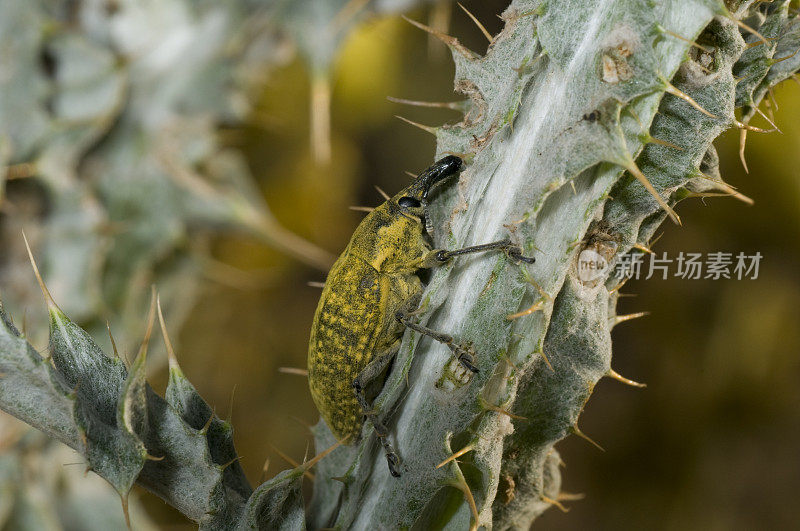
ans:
x=339 y=351
x=567 y=97
x=355 y=323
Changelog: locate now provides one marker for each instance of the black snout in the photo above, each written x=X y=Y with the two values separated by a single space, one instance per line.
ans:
x=439 y=171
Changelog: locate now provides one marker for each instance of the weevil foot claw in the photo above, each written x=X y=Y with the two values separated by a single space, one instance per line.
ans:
x=394 y=464
x=465 y=355
x=515 y=252
x=467 y=362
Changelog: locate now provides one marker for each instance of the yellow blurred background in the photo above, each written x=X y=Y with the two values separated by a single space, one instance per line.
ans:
x=711 y=443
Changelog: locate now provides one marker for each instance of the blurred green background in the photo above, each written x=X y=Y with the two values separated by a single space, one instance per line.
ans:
x=711 y=443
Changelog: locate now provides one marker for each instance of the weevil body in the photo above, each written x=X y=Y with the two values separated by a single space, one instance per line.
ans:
x=365 y=306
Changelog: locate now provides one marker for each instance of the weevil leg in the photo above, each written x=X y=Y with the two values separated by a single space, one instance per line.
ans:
x=513 y=250
x=373 y=370
x=463 y=352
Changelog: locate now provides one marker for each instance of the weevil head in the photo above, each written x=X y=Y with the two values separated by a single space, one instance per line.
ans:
x=414 y=199
x=396 y=232
x=436 y=173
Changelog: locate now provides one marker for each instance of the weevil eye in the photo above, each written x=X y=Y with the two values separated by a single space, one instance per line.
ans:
x=409 y=202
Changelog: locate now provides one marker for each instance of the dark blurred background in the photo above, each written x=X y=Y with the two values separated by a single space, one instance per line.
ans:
x=711 y=443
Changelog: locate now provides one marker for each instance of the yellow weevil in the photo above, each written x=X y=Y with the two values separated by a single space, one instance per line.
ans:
x=368 y=299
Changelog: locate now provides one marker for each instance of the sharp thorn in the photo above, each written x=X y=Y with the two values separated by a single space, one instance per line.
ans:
x=125 y=510
x=664 y=143
x=229 y=463
x=450 y=41
x=635 y=115
x=534 y=308
x=173 y=359
x=293 y=370
x=742 y=143
x=464 y=487
x=617 y=376
x=772 y=123
x=47 y=297
x=524 y=68
x=84 y=439
x=207 y=425
x=426 y=128
x=742 y=125
x=467 y=448
x=264 y=470
x=320 y=113
x=113 y=343
x=361 y=208
x=568 y=496
x=749 y=45
x=785 y=58
x=554 y=503
x=653 y=242
x=536 y=285
x=685 y=97
x=722 y=184
x=314 y=284
x=619 y=286
x=477 y=23
x=547 y=361
x=734 y=194
x=151 y=317
x=455 y=105
x=684 y=39
x=629 y=317
x=510 y=363
x=292 y=462
x=447 y=39
x=750 y=30
x=743 y=198
x=579 y=433
x=230 y=405
x=384 y=195
x=439 y=18
x=704 y=69
x=317 y=458
x=634 y=169
x=307 y=465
